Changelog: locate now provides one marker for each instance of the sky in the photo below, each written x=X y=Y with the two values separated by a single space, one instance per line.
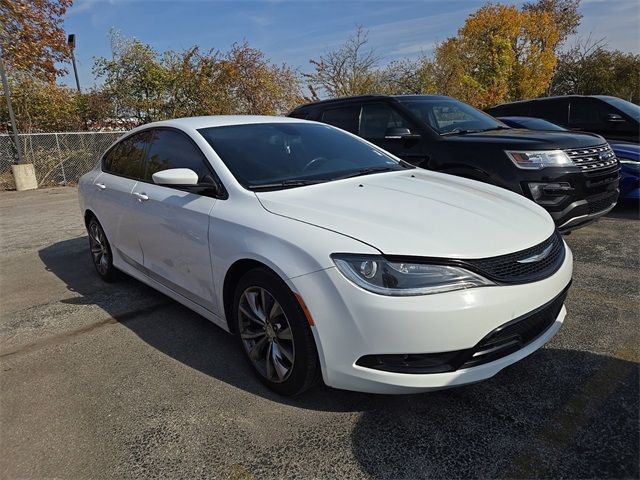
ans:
x=293 y=31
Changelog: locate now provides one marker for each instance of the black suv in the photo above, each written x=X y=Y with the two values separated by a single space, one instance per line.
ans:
x=611 y=117
x=573 y=175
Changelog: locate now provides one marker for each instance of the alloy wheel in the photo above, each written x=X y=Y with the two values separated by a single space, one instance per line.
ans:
x=266 y=334
x=99 y=250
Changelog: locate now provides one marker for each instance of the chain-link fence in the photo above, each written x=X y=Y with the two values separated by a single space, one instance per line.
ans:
x=58 y=158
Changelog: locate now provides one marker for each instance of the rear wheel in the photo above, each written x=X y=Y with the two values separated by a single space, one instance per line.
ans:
x=101 y=251
x=274 y=333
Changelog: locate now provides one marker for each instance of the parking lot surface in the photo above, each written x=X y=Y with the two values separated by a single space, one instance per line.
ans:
x=118 y=381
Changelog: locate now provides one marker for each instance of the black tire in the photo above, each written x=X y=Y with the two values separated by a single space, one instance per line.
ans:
x=304 y=370
x=100 y=251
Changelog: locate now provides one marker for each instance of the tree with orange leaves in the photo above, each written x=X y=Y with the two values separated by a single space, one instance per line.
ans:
x=32 y=37
x=501 y=53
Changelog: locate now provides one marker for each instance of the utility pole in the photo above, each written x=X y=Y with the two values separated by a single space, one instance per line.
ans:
x=71 y=41
x=12 y=118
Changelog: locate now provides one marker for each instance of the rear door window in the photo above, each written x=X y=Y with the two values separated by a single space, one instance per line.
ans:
x=346 y=118
x=126 y=159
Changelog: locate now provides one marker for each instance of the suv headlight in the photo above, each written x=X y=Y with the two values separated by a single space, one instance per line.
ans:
x=379 y=275
x=535 y=160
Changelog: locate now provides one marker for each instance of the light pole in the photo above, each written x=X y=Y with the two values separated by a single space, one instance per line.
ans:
x=71 y=42
x=12 y=118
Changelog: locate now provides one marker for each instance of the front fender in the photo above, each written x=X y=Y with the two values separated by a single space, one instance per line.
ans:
x=244 y=230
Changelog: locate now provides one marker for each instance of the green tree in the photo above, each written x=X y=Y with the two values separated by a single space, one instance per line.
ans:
x=255 y=85
x=134 y=79
x=147 y=86
x=42 y=106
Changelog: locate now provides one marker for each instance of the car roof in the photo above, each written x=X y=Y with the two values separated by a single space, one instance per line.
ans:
x=422 y=97
x=557 y=97
x=521 y=117
x=218 y=121
x=374 y=96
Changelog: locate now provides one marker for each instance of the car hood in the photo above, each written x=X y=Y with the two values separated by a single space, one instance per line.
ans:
x=418 y=213
x=513 y=138
x=626 y=151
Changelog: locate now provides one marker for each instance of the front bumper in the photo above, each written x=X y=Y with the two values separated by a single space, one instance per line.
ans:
x=591 y=195
x=351 y=323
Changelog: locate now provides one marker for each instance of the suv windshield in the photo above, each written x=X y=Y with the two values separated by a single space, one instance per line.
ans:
x=628 y=108
x=266 y=156
x=449 y=117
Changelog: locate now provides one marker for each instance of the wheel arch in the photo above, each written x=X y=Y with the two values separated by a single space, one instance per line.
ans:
x=88 y=215
x=231 y=279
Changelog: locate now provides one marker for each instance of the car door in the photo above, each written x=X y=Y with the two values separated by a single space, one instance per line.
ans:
x=122 y=168
x=376 y=122
x=173 y=224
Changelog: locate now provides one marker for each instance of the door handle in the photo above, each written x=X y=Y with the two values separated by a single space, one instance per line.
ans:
x=101 y=186
x=141 y=196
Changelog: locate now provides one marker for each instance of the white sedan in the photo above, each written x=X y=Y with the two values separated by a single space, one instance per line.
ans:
x=327 y=256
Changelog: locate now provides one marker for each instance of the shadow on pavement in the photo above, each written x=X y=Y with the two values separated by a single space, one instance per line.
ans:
x=557 y=413
x=626 y=209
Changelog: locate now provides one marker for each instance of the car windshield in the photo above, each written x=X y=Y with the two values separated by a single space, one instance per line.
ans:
x=628 y=108
x=449 y=117
x=266 y=156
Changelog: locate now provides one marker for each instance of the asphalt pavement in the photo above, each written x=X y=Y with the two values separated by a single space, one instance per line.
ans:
x=118 y=381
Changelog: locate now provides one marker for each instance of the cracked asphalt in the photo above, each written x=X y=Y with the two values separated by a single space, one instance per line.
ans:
x=118 y=381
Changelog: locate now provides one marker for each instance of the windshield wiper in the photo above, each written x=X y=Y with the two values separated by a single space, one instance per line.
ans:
x=497 y=127
x=458 y=132
x=366 y=171
x=284 y=184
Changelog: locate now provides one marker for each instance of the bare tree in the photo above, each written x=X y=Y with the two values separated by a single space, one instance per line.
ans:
x=350 y=69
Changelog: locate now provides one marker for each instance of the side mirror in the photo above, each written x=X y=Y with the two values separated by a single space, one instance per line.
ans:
x=399 y=133
x=183 y=177
x=613 y=118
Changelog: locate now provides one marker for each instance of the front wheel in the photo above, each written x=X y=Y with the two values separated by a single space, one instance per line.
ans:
x=274 y=333
x=101 y=251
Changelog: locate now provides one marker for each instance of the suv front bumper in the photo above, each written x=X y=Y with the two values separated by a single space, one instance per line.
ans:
x=590 y=196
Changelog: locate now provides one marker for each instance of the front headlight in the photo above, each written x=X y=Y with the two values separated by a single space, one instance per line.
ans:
x=378 y=275
x=535 y=160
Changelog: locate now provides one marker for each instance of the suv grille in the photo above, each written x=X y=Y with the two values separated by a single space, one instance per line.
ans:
x=522 y=266
x=595 y=158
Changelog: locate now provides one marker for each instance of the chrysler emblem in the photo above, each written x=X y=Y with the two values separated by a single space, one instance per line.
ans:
x=536 y=258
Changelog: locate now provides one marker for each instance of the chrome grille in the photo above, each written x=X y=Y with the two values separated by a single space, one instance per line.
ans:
x=590 y=159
